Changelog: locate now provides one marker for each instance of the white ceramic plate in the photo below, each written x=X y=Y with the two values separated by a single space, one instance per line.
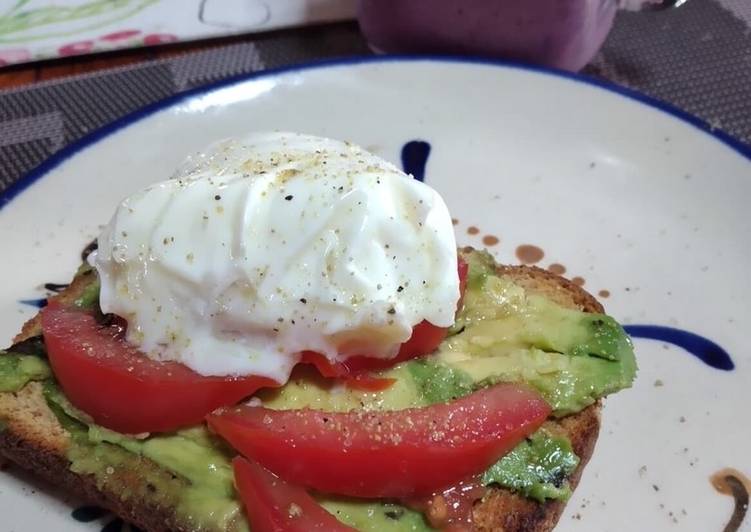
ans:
x=633 y=199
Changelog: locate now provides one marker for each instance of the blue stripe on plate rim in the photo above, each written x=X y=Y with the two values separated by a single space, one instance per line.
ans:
x=57 y=158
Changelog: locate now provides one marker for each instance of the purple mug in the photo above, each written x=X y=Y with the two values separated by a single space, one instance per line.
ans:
x=558 y=33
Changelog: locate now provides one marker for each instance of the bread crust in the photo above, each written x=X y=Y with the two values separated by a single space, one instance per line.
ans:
x=40 y=446
x=55 y=469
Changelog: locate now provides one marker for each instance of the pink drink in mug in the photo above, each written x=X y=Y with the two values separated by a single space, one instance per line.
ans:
x=559 y=33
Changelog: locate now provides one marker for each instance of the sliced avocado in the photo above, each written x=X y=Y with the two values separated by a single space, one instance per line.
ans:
x=16 y=371
x=367 y=516
x=439 y=383
x=544 y=325
x=306 y=389
x=567 y=383
x=500 y=315
x=505 y=335
x=537 y=468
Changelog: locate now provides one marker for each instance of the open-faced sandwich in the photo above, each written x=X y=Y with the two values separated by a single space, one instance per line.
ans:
x=284 y=336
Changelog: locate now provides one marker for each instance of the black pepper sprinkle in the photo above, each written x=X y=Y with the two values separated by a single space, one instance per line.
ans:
x=303 y=300
x=288 y=198
x=392 y=310
x=400 y=288
x=217 y=197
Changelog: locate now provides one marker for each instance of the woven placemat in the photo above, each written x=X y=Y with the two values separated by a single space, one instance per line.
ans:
x=697 y=57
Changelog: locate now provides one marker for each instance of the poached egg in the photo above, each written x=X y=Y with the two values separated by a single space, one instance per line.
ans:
x=265 y=246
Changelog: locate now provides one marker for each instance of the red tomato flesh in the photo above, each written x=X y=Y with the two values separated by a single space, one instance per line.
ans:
x=273 y=505
x=121 y=388
x=367 y=383
x=385 y=454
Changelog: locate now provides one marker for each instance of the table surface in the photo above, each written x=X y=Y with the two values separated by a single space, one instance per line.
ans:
x=29 y=73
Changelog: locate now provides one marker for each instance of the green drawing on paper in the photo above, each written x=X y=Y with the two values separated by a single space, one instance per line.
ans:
x=18 y=25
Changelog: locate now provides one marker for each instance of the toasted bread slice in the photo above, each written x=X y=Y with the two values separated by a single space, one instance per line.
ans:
x=34 y=439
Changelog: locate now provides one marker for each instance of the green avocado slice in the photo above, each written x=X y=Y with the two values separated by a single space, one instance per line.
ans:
x=16 y=371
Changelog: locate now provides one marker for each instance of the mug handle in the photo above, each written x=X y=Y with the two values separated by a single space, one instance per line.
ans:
x=649 y=5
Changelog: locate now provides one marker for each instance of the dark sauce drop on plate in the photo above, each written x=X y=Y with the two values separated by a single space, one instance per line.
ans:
x=490 y=240
x=737 y=485
x=529 y=254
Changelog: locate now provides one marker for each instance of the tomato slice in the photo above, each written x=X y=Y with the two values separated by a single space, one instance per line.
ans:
x=273 y=505
x=368 y=383
x=324 y=366
x=385 y=454
x=122 y=389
